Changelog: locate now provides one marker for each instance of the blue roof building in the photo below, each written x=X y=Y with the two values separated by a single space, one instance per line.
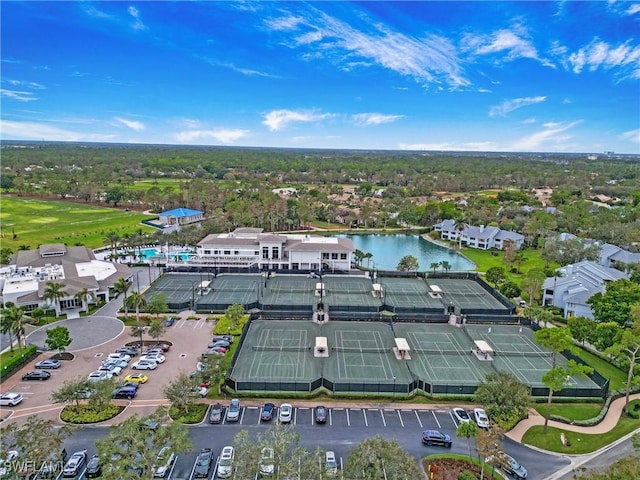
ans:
x=180 y=216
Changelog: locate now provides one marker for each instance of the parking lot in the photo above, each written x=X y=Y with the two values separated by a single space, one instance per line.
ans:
x=189 y=338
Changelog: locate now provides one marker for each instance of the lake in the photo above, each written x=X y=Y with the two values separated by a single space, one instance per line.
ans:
x=387 y=250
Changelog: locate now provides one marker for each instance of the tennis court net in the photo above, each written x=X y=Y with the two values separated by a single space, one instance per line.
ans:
x=466 y=294
x=361 y=350
x=504 y=353
x=290 y=288
x=431 y=351
x=281 y=348
x=237 y=288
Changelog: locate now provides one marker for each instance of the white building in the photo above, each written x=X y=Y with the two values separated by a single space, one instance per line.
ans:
x=575 y=284
x=24 y=281
x=250 y=248
x=483 y=238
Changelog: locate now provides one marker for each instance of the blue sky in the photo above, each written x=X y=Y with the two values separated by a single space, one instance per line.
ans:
x=487 y=76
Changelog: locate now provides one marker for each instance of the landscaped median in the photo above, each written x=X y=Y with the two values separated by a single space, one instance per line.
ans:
x=579 y=442
x=453 y=466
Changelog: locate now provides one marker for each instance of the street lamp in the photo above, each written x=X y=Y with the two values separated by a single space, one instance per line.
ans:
x=393 y=397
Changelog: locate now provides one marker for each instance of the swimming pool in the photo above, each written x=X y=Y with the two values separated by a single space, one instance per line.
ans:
x=147 y=253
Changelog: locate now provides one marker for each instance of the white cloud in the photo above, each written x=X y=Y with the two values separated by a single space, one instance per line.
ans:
x=225 y=136
x=19 y=95
x=511 y=105
x=367 y=119
x=430 y=59
x=511 y=44
x=599 y=54
x=132 y=124
x=279 y=119
x=24 y=84
x=552 y=134
x=633 y=9
x=138 y=24
x=40 y=131
x=289 y=22
x=92 y=11
x=632 y=135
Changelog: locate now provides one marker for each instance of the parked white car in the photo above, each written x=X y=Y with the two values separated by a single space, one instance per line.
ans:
x=225 y=467
x=165 y=460
x=144 y=365
x=481 y=417
x=99 y=375
x=153 y=357
x=119 y=356
x=285 y=413
x=10 y=399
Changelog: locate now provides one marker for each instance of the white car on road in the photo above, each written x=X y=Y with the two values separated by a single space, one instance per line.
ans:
x=153 y=357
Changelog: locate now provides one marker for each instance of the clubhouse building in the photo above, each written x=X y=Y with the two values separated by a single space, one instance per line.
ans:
x=250 y=248
x=83 y=278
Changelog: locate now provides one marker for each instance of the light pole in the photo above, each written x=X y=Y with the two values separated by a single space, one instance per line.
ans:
x=393 y=396
x=193 y=296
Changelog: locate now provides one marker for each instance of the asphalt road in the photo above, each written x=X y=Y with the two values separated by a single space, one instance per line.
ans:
x=343 y=431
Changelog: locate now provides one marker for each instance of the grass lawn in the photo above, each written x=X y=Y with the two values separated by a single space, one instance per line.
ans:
x=485 y=259
x=580 y=442
x=161 y=183
x=37 y=221
x=617 y=378
x=571 y=411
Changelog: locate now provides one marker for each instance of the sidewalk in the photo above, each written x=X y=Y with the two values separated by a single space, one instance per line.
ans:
x=608 y=423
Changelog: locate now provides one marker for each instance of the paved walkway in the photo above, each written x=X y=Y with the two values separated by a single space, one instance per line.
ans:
x=609 y=421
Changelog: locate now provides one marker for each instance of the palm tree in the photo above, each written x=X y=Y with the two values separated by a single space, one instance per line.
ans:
x=113 y=238
x=122 y=285
x=434 y=266
x=83 y=296
x=446 y=266
x=6 y=325
x=358 y=256
x=459 y=227
x=137 y=300
x=14 y=320
x=368 y=256
x=54 y=292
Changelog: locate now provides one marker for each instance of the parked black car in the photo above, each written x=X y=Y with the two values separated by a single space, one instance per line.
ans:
x=94 y=467
x=36 y=375
x=321 y=414
x=131 y=351
x=203 y=463
x=127 y=392
x=434 y=437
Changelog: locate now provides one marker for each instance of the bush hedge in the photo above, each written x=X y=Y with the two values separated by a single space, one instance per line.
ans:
x=195 y=415
x=634 y=409
x=87 y=414
x=14 y=363
x=223 y=327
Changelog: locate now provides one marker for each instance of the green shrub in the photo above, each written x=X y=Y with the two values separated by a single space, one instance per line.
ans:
x=223 y=327
x=86 y=414
x=195 y=415
x=13 y=363
x=467 y=475
x=634 y=409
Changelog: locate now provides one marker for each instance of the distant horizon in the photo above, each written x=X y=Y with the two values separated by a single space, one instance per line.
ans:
x=7 y=143
x=423 y=76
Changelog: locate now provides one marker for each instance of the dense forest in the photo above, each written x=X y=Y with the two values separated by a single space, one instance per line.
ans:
x=596 y=196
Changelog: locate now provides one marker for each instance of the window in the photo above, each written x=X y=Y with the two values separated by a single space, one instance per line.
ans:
x=227 y=252
x=334 y=256
x=265 y=252
x=343 y=256
x=236 y=252
x=207 y=252
x=325 y=256
x=275 y=252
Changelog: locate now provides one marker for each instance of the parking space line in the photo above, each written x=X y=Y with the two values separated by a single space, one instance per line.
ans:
x=453 y=419
x=436 y=418
x=418 y=417
x=330 y=417
x=364 y=412
x=242 y=414
x=348 y=421
x=295 y=411
x=400 y=417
